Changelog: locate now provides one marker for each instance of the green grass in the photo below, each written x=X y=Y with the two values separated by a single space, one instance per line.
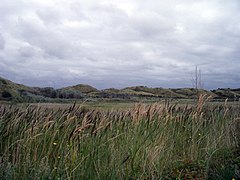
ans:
x=146 y=141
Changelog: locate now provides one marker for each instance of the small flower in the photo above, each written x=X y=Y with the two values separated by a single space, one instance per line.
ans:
x=54 y=143
x=59 y=157
x=199 y=134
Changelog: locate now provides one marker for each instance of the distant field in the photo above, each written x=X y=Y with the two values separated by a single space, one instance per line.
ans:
x=119 y=140
x=89 y=105
x=123 y=105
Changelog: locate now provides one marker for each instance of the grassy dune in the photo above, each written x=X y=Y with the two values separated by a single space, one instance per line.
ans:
x=147 y=141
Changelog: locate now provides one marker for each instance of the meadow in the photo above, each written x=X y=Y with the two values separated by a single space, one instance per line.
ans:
x=130 y=141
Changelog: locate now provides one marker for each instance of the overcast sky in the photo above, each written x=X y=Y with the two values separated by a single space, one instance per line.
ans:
x=119 y=43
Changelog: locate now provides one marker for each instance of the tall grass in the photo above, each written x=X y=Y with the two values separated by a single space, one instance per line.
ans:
x=145 y=142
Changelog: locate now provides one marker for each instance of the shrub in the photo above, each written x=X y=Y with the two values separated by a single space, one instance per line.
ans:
x=6 y=94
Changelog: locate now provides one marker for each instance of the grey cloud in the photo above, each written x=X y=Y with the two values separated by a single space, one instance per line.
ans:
x=120 y=43
x=38 y=35
x=26 y=52
x=2 y=42
x=49 y=16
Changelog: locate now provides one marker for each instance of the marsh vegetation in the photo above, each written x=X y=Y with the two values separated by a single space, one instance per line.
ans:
x=146 y=141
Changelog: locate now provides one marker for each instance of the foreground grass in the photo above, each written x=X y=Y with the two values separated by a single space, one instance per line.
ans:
x=151 y=141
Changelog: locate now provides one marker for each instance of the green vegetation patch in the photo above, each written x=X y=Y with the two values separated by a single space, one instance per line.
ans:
x=146 y=141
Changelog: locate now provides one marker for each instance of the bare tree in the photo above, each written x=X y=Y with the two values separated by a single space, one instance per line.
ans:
x=197 y=80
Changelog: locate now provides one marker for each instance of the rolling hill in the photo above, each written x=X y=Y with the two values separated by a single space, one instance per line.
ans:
x=10 y=91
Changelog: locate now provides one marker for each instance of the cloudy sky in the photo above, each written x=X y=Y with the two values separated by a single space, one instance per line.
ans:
x=118 y=43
